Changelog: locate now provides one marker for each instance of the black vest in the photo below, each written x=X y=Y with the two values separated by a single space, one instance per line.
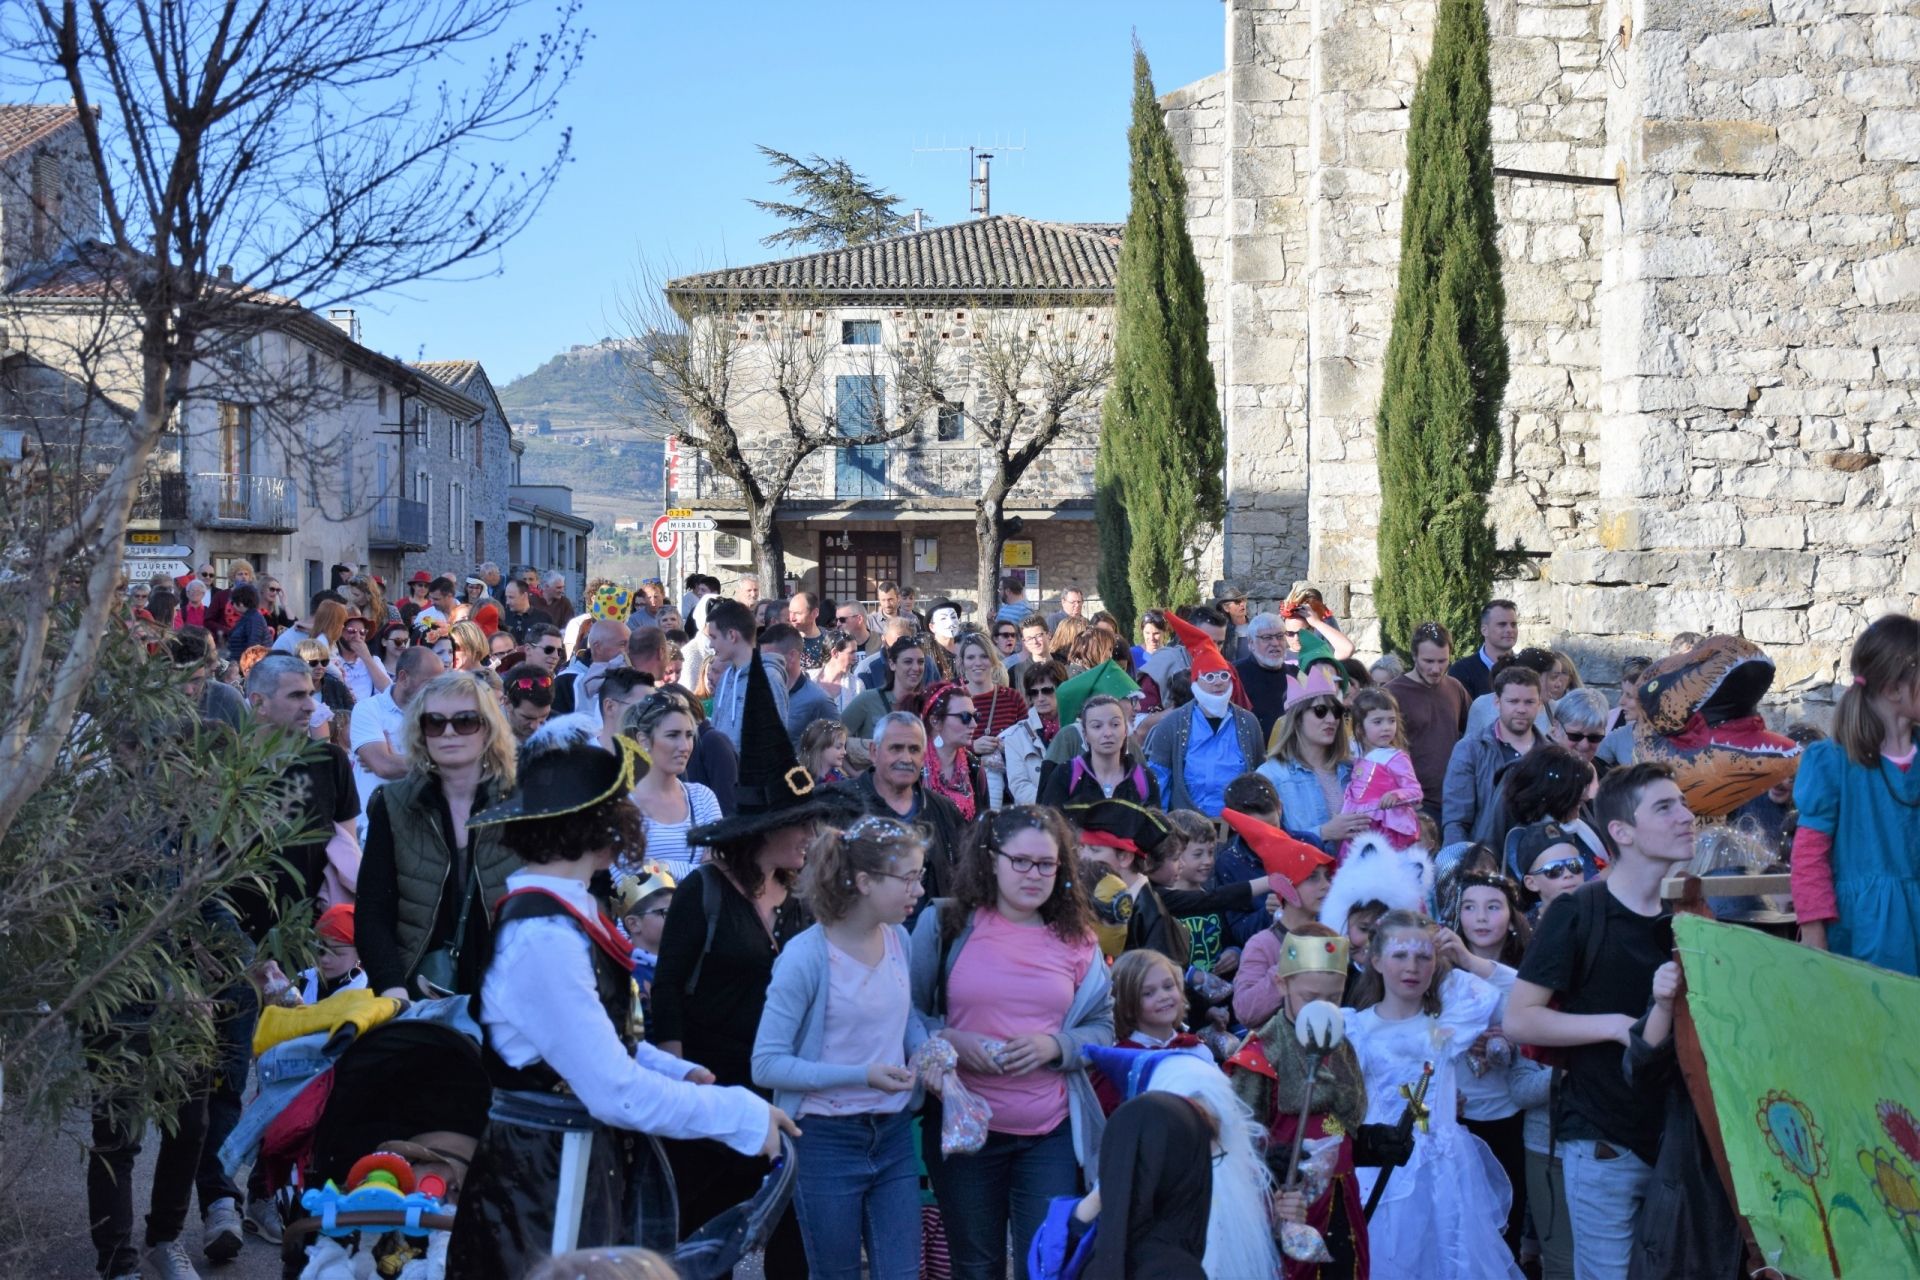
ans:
x=614 y=980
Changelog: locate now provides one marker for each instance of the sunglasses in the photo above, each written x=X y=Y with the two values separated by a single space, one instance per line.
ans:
x=1560 y=870
x=524 y=683
x=1595 y=738
x=964 y=717
x=464 y=723
x=1006 y=635
x=844 y=618
x=1328 y=710
x=551 y=650
x=398 y=641
x=318 y=664
x=1047 y=689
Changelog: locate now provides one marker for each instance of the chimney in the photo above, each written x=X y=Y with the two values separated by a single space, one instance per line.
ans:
x=346 y=320
x=917 y=215
x=225 y=272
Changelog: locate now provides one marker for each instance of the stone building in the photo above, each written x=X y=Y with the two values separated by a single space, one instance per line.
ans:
x=1713 y=307
x=461 y=470
x=902 y=510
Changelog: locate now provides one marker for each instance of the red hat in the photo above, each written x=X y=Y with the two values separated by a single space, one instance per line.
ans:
x=488 y=617
x=1288 y=862
x=336 y=923
x=421 y=576
x=1205 y=654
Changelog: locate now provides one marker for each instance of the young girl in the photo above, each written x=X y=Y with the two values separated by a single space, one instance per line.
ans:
x=1106 y=769
x=1425 y=1000
x=1149 y=1001
x=1383 y=787
x=1500 y=1084
x=833 y=1046
x=823 y=749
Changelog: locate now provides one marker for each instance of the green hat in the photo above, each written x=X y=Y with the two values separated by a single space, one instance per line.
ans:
x=1315 y=649
x=1109 y=678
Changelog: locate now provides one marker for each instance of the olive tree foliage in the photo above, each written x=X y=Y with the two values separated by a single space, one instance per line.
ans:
x=115 y=935
x=325 y=152
x=756 y=387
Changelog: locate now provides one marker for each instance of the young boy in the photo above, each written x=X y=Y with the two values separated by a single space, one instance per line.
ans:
x=1546 y=862
x=1610 y=1125
x=338 y=967
x=1190 y=871
x=1269 y=1075
x=644 y=898
x=1254 y=796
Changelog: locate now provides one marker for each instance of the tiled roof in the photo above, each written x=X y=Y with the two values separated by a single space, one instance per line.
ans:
x=1001 y=254
x=23 y=124
x=455 y=373
x=92 y=269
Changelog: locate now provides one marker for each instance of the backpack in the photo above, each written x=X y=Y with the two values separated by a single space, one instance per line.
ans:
x=710 y=904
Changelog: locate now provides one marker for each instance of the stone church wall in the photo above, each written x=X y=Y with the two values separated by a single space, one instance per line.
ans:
x=1709 y=420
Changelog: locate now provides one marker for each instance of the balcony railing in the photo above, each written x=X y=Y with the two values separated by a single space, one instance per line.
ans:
x=942 y=474
x=398 y=524
x=226 y=500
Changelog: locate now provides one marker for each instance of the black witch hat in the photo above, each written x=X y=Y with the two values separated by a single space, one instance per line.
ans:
x=774 y=790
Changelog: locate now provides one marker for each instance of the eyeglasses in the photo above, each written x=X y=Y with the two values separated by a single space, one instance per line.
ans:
x=1326 y=710
x=1028 y=866
x=464 y=723
x=1006 y=635
x=1047 y=689
x=1595 y=738
x=1561 y=870
x=902 y=876
x=651 y=912
x=844 y=618
x=964 y=717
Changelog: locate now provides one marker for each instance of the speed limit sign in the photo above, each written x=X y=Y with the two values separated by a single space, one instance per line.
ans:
x=666 y=540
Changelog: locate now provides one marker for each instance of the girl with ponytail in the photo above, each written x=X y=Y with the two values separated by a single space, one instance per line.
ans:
x=1856 y=854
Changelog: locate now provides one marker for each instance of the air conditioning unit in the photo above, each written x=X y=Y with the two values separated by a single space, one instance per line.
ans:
x=731 y=550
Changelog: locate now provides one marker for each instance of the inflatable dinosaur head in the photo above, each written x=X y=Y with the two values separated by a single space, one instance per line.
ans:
x=1695 y=711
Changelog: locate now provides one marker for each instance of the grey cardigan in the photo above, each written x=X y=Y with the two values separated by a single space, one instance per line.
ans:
x=793 y=1026
x=1089 y=1020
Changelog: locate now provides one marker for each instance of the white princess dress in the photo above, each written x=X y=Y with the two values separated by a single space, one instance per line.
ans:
x=1444 y=1211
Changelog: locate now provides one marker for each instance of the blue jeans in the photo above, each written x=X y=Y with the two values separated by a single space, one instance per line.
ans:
x=858 y=1183
x=232 y=1064
x=1605 y=1189
x=1014 y=1178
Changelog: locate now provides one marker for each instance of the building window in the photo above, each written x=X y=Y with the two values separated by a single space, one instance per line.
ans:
x=858 y=400
x=383 y=403
x=859 y=333
x=346 y=382
x=313 y=368
x=457 y=440
x=424 y=419
x=456 y=516
x=952 y=422
x=423 y=492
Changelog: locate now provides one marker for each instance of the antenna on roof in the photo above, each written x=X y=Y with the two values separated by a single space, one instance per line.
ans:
x=979 y=164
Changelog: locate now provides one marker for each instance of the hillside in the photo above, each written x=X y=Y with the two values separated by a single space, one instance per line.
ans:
x=576 y=414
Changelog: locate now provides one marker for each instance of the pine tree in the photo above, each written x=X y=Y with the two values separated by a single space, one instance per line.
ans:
x=837 y=206
x=1439 y=426
x=1158 y=477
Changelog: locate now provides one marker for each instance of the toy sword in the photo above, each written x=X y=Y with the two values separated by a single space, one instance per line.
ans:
x=1416 y=1113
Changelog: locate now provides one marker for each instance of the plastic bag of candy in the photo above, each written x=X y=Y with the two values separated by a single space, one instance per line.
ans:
x=1302 y=1243
x=963 y=1114
x=1208 y=988
x=1318 y=1157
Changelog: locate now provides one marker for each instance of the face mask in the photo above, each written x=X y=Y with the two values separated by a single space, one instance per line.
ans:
x=946 y=624
x=1214 y=704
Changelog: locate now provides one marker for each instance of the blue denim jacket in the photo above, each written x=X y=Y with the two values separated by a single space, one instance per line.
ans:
x=287 y=1068
x=1303 y=805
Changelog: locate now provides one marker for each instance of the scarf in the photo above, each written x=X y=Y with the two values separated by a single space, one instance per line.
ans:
x=1049 y=725
x=958 y=789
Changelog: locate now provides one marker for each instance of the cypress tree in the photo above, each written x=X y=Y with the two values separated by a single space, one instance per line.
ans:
x=1158 y=476
x=1438 y=441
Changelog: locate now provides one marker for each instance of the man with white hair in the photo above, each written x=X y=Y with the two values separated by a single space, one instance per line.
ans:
x=559 y=608
x=1263 y=672
x=577 y=686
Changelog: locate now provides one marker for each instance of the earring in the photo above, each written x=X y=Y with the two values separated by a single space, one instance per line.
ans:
x=938 y=742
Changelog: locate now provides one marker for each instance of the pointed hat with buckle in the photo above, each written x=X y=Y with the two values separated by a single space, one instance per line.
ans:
x=774 y=791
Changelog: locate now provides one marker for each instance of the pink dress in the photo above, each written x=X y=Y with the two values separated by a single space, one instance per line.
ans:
x=1381 y=774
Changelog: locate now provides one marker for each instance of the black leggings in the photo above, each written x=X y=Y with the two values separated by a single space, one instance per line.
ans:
x=1507 y=1138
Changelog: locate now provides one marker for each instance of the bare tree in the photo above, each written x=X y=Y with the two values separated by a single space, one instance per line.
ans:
x=325 y=151
x=747 y=385
x=1029 y=382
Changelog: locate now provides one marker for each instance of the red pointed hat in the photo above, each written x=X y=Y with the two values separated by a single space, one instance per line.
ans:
x=1285 y=858
x=1205 y=654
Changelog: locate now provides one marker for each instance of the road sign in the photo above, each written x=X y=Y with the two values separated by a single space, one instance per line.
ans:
x=666 y=540
x=692 y=524
x=143 y=539
x=147 y=568
x=162 y=553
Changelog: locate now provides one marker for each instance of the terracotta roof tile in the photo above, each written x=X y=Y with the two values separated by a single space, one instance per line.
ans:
x=455 y=373
x=1001 y=254
x=23 y=124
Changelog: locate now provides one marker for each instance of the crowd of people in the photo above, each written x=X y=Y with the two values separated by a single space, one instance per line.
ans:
x=938 y=901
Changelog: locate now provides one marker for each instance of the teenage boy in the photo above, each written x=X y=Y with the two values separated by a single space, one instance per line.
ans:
x=1599 y=950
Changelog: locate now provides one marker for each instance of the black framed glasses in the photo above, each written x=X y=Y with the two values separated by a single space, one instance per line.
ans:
x=463 y=723
x=318 y=664
x=1028 y=866
x=964 y=717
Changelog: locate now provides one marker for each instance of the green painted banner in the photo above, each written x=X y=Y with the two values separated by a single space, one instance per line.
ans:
x=1814 y=1066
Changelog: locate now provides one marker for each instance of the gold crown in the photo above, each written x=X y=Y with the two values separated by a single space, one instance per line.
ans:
x=1302 y=954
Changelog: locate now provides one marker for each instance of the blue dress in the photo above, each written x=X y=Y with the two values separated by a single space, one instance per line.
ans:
x=1873 y=816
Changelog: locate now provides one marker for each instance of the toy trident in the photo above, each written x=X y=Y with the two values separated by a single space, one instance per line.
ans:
x=1321 y=1027
x=1416 y=1113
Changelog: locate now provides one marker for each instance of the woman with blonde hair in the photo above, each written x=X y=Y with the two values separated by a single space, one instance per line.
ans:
x=429 y=884
x=1069 y=630
x=1310 y=762
x=1856 y=853
x=999 y=707
x=333 y=703
x=470 y=647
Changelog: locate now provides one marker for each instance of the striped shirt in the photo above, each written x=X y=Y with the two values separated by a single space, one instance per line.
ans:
x=667 y=841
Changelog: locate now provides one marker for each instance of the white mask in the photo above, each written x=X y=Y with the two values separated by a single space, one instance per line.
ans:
x=1213 y=704
x=946 y=623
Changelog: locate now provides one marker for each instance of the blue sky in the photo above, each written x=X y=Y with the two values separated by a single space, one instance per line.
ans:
x=674 y=96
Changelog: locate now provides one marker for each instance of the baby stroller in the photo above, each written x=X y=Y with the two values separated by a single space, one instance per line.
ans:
x=420 y=1085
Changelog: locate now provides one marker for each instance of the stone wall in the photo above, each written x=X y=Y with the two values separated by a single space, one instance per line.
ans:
x=1708 y=421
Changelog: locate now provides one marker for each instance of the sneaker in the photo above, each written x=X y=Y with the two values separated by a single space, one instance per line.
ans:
x=222 y=1236
x=263 y=1220
x=169 y=1261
